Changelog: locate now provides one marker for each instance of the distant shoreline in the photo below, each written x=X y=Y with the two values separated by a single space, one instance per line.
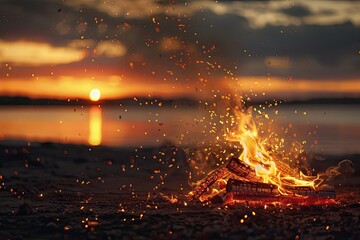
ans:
x=25 y=101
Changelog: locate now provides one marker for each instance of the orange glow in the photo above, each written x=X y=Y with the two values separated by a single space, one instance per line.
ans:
x=95 y=95
x=84 y=125
x=36 y=124
x=95 y=126
x=113 y=87
x=79 y=87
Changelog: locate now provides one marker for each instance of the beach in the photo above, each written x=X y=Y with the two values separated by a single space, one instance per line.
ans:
x=66 y=191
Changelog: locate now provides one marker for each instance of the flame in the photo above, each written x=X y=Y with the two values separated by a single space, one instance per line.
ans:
x=264 y=154
x=264 y=162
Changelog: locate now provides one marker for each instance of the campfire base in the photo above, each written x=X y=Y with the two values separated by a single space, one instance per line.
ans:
x=252 y=190
x=255 y=192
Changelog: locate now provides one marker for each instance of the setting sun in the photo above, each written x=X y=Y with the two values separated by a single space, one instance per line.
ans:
x=95 y=94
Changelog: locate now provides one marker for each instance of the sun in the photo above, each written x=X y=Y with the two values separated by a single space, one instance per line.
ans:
x=95 y=94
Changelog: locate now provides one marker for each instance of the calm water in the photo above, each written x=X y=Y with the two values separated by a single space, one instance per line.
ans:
x=331 y=129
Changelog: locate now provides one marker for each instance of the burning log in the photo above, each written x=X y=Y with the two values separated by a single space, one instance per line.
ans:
x=285 y=168
x=238 y=190
x=251 y=188
x=241 y=170
x=310 y=192
x=234 y=166
x=210 y=179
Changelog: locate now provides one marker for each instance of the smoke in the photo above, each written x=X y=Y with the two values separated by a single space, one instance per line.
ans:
x=344 y=168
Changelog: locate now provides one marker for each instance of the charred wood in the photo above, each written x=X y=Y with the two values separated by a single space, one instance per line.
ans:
x=255 y=191
x=208 y=181
x=242 y=170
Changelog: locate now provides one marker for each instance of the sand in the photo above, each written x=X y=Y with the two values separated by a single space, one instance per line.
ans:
x=59 y=191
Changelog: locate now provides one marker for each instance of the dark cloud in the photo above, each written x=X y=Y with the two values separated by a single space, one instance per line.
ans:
x=315 y=51
x=297 y=11
x=35 y=20
x=330 y=45
x=40 y=20
x=327 y=12
x=320 y=42
x=243 y=1
x=172 y=2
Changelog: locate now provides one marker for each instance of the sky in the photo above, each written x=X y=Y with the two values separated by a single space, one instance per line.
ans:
x=173 y=49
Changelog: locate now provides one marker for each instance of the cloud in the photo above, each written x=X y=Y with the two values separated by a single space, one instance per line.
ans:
x=32 y=53
x=285 y=13
x=259 y=13
x=322 y=41
x=315 y=51
x=332 y=12
x=82 y=43
x=110 y=48
x=284 y=88
x=129 y=9
x=297 y=11
x=40 y=21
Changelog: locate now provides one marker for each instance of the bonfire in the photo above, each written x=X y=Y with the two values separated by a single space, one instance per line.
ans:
x=259 y=175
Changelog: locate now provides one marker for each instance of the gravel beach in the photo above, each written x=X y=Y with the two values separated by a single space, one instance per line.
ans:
x=57 y=191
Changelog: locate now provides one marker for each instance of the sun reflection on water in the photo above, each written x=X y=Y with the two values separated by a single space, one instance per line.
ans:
x=95 y=126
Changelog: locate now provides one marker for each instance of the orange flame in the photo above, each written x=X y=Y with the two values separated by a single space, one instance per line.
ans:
x=265 y=155
x=266 y=164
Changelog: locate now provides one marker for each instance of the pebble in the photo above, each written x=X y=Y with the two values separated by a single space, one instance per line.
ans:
x=51 y=225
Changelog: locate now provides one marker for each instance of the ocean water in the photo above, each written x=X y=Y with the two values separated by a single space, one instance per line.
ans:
x=331 y=129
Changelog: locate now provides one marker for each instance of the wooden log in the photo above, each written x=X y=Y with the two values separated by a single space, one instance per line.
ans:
x=252 y=187
x=263 y=192
x=242 y=170
x=210 y=179
x=234 y=166
x=240 y=187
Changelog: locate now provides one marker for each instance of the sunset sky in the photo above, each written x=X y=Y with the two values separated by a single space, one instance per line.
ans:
x=171 y=49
